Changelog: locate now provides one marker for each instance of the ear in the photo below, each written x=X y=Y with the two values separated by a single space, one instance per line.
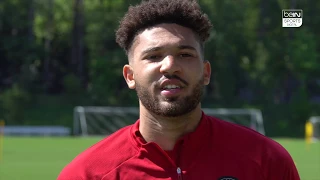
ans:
x=128 y=76
x=206 y=72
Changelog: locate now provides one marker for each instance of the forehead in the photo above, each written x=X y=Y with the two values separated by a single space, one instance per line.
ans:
x=165 y=35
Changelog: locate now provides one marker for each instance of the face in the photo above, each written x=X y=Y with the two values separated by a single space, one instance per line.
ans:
x=167 y=70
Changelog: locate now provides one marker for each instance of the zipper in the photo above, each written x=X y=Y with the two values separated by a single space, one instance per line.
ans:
x=179 y=173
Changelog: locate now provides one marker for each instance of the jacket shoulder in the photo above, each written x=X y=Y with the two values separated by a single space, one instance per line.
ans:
x=243 y=139
x=101 y=158
x=249 y=145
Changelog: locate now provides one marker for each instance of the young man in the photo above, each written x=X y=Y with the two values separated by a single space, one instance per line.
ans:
x=173 y=138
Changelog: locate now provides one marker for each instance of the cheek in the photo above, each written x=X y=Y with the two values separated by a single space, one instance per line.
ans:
x=147 y=74
x=194 y=70
x=144 y=79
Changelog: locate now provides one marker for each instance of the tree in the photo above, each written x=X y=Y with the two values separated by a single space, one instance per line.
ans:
x=47 y=46
x=78 y=61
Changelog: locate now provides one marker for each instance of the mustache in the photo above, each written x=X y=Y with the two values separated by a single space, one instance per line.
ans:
x=174 y=77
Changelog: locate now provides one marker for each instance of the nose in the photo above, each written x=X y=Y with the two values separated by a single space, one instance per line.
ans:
x=170 y=65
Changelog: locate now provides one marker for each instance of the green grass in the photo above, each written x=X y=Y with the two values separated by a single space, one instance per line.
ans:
x=43 y=158
x=39 y=158
x=307 y=159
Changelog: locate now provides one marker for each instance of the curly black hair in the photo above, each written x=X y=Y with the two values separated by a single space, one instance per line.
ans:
x=148 y=13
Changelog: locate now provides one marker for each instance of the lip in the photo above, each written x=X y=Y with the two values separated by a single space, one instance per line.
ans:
x=168 y=93
x=171 y=92
x=171 y=82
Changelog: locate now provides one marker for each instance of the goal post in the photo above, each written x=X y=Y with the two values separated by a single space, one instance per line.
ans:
x=104 y=120
x=313 y=128
x=247 y=117
x=2 y=124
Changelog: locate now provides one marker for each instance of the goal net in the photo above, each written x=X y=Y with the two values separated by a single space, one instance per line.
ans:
x=315 y=121
x=95 y=121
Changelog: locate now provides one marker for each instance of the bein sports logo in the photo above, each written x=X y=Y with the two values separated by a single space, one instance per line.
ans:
x=227 y=178
x=292 y=17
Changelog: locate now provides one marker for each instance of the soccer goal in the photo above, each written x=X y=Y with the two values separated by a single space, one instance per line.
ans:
x=315 y=121
x=95 y=121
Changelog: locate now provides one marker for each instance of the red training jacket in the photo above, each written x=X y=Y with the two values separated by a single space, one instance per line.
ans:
x=216 y=150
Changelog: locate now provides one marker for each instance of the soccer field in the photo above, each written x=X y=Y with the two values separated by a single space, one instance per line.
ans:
x=43 y=158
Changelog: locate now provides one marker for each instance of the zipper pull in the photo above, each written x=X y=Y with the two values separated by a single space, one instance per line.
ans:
x=179 y=173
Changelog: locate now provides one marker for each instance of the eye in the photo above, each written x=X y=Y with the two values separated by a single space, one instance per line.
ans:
x=185 y=55
x=154 y=57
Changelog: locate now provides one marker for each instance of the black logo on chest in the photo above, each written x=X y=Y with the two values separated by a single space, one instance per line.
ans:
x=227 y=178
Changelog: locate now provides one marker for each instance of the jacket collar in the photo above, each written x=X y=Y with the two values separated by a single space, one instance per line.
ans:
x=187 y=148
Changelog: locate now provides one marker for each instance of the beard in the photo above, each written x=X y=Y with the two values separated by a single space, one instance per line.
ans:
x=172 y=107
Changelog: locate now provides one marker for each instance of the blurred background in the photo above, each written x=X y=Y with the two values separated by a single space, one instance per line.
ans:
x=59 y=54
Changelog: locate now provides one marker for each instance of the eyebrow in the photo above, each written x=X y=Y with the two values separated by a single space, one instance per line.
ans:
x=153 y=49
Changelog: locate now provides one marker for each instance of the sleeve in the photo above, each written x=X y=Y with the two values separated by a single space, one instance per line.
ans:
x=280 y=166
x=68 y=174
x=77 y=169
x=291 y=173
x=285 y=170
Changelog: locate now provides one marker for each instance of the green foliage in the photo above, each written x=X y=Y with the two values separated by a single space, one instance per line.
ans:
x=108 y=86
x=13 y=104
x=304 y=57
x=72 y=85
x=51 y=110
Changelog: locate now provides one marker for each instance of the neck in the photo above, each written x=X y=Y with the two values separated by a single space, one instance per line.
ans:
x=165 y=131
